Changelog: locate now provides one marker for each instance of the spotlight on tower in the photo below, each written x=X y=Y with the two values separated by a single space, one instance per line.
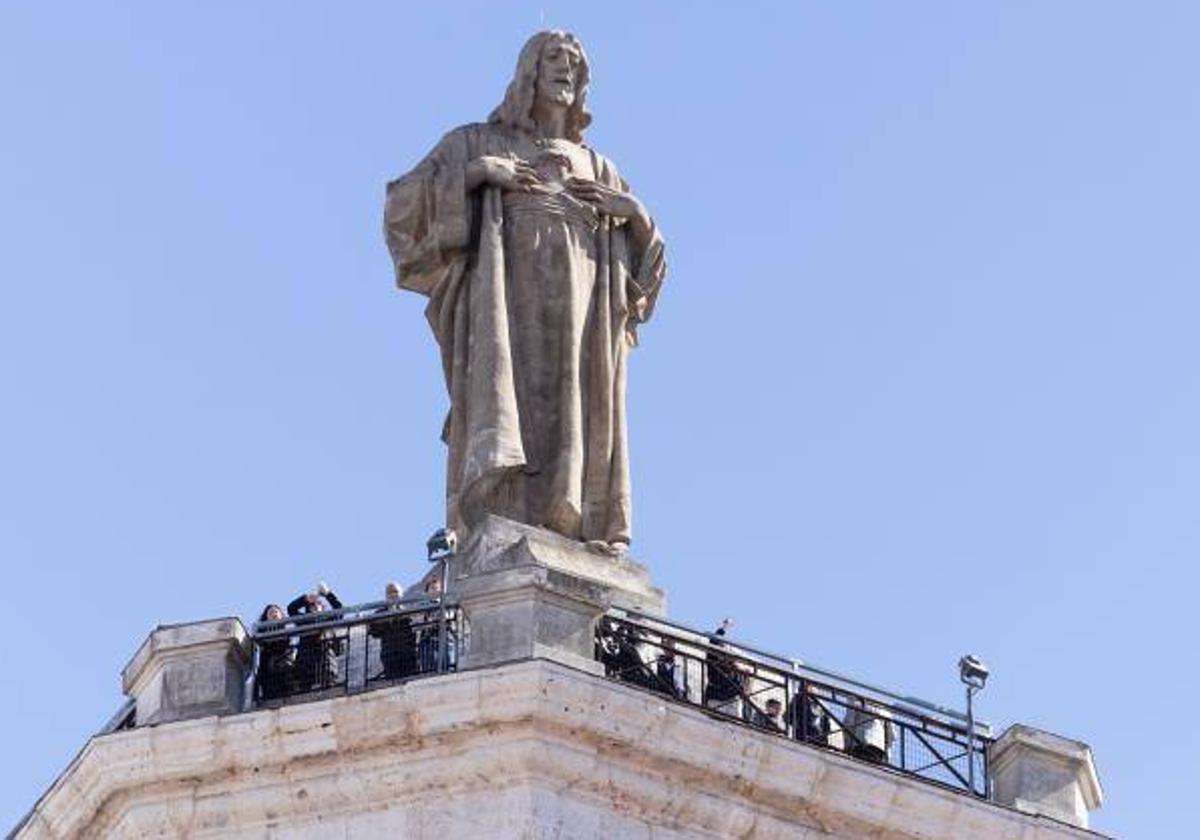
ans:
x=442 y=544
x=973 y=672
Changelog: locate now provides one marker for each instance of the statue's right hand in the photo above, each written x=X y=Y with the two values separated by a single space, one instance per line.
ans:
x=503 y=172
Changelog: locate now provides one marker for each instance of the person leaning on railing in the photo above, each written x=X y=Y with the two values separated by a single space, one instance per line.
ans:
x=770 y=717
x=810 y=720
x=428 y=647
x=869 y=731
x=621 y=657
x=726 y=682
x=667 y=673
x=607 y=648
x=318 y=651
x=397 y=640
x=276 y=660
x=633 y=669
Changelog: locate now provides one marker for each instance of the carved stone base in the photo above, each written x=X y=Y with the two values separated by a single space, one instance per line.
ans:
x=1041 y=773
x=528 y=593
x=191 y=670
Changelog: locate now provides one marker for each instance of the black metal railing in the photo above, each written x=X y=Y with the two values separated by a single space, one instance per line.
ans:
x=374 y=645
x=790 y=700
x=352 y=649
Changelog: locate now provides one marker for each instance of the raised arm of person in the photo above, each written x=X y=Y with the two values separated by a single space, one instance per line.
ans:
x=329 y=595
x=299 y=604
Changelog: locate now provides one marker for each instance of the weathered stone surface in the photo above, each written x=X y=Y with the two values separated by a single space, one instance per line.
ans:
x=529 y=593
x=528 y=750
x=539 y=264
x=189 y=670
x=1042 y=773
x=501 y=546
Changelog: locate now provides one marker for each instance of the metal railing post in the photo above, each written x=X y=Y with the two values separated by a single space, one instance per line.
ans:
x=971 y=739
x=357 y=662
x=443 y=641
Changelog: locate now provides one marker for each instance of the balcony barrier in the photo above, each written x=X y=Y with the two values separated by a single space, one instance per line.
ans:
x=352 y=649
x=791 y=700
x=375 y=645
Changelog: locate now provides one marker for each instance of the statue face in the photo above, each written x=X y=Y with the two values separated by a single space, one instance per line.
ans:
x=557 y=68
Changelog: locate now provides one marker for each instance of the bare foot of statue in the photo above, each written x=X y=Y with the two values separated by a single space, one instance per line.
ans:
x=613 y=549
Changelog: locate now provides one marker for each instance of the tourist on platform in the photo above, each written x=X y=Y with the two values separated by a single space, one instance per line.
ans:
x=869 y=731
x=811 y=721
x=607 y=648
x=668 y=675
x=725 y=685
x=622 y=659
x=321 y=599
x=430 y=649
x=397 y=640
x=318 y=651
x=276 y=659
x=770 y=717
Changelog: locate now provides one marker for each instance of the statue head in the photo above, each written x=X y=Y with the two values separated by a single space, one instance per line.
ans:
x=552 y=70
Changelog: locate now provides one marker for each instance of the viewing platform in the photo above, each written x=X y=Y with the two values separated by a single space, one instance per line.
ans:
x=544 y=687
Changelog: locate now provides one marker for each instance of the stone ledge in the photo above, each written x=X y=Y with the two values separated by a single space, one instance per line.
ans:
x=171 y=639
x=491 y=753
x=1042 y=773
x=189 y=670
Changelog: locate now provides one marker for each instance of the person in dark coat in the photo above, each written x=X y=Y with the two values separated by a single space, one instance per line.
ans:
x=726 y=682
x=397 y=641
x=667 y=672
x=630 y=666
x=276 y=660
x=809 y=718
x=429 y=648
x=770 y=717
x=318 y=651
x=622 y=660
x=607 y=648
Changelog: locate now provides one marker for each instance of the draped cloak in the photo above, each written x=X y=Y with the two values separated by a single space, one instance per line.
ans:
x=534 y=300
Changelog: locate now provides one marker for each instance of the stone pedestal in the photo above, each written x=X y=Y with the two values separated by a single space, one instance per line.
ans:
x=187 y=671
x=1041 y=773
x=528 y=593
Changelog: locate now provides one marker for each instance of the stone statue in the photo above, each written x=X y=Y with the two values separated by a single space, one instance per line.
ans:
x=539 y=264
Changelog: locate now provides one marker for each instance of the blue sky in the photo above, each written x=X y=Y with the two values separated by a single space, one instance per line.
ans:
x=925 y=378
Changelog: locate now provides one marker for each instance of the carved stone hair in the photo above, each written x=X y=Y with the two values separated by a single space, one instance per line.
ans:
x=516 y=111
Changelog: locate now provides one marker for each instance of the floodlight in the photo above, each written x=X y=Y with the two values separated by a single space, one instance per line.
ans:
x=973 y=671
x=442 y=544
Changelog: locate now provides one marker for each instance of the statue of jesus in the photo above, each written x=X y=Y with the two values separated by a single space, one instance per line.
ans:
x=539 y=263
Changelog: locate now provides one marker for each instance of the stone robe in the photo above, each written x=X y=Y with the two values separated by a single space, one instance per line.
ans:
x=534 y=300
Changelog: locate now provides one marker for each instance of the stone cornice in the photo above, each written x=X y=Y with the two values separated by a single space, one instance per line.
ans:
x=508 y=732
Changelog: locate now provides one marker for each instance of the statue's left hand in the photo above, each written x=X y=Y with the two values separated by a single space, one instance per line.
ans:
x=620 y=205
